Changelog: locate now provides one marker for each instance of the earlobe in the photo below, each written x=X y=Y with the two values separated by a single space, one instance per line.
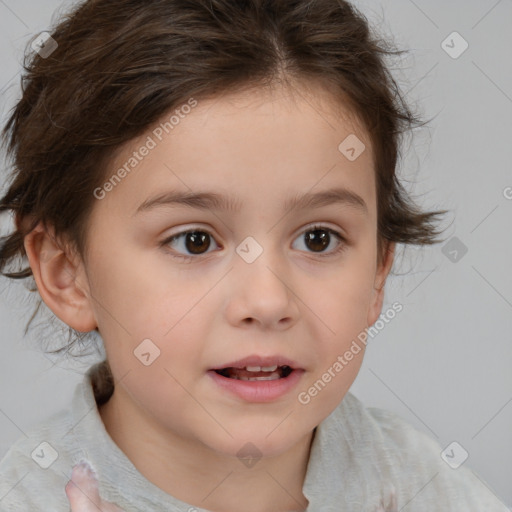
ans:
x=60 y=279
x=380 y=281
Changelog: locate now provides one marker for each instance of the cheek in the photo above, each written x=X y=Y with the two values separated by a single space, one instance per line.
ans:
x=342 y=304
x=161 y=389
x=143 y=299
x=146 y=317
x=346 y=298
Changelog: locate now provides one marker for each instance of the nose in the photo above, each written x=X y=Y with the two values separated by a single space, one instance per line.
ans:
x=261 y=291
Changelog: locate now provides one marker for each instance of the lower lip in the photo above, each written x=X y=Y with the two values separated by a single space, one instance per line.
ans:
x=258 y=390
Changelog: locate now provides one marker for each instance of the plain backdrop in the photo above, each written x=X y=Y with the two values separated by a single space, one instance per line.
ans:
x=444 y=362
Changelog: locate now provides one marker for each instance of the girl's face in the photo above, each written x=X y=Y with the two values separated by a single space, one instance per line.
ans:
x=261 y=278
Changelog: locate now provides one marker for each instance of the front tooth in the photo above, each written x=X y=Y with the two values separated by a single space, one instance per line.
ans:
x=269 y=368
x=253 y=368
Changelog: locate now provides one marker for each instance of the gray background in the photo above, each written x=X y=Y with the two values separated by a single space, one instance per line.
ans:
x=443 y=363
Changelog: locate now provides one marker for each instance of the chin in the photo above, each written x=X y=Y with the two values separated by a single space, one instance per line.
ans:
x=258 y=443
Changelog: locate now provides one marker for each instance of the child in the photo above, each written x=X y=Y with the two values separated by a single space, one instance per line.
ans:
x=267 y=131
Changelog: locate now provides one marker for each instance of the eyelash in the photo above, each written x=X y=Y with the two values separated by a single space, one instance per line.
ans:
x=188 y=259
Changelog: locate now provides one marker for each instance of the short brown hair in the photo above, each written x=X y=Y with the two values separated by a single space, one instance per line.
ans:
x=121 y=64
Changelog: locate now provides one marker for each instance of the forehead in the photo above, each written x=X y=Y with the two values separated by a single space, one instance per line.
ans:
x=310 y=102
x=272 y=141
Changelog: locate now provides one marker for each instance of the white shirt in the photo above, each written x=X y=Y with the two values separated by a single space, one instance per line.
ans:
x=361 y=459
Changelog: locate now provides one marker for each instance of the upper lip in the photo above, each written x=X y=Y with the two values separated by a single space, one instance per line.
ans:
x=262 y=361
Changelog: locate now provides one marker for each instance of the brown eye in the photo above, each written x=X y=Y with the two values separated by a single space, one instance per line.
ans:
x=197 y=241
x=317 y=239
x=189 y=243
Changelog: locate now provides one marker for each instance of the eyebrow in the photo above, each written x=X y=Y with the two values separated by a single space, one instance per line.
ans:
x=212 y=201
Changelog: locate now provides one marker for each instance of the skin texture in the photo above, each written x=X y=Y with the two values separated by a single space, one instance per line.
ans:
x=180 y=430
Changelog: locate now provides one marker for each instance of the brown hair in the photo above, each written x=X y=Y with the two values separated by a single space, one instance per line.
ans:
x=121 y=64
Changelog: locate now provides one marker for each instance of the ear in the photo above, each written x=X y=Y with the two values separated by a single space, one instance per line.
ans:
x=60 y=278
x=380 y=280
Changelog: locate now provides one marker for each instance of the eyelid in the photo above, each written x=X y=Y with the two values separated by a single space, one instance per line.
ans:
x=323 y=225
x=307 y=227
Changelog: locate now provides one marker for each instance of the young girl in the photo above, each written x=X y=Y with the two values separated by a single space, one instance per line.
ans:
x=266 y=131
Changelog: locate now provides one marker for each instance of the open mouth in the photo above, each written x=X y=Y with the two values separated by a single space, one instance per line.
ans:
x=255 y=373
